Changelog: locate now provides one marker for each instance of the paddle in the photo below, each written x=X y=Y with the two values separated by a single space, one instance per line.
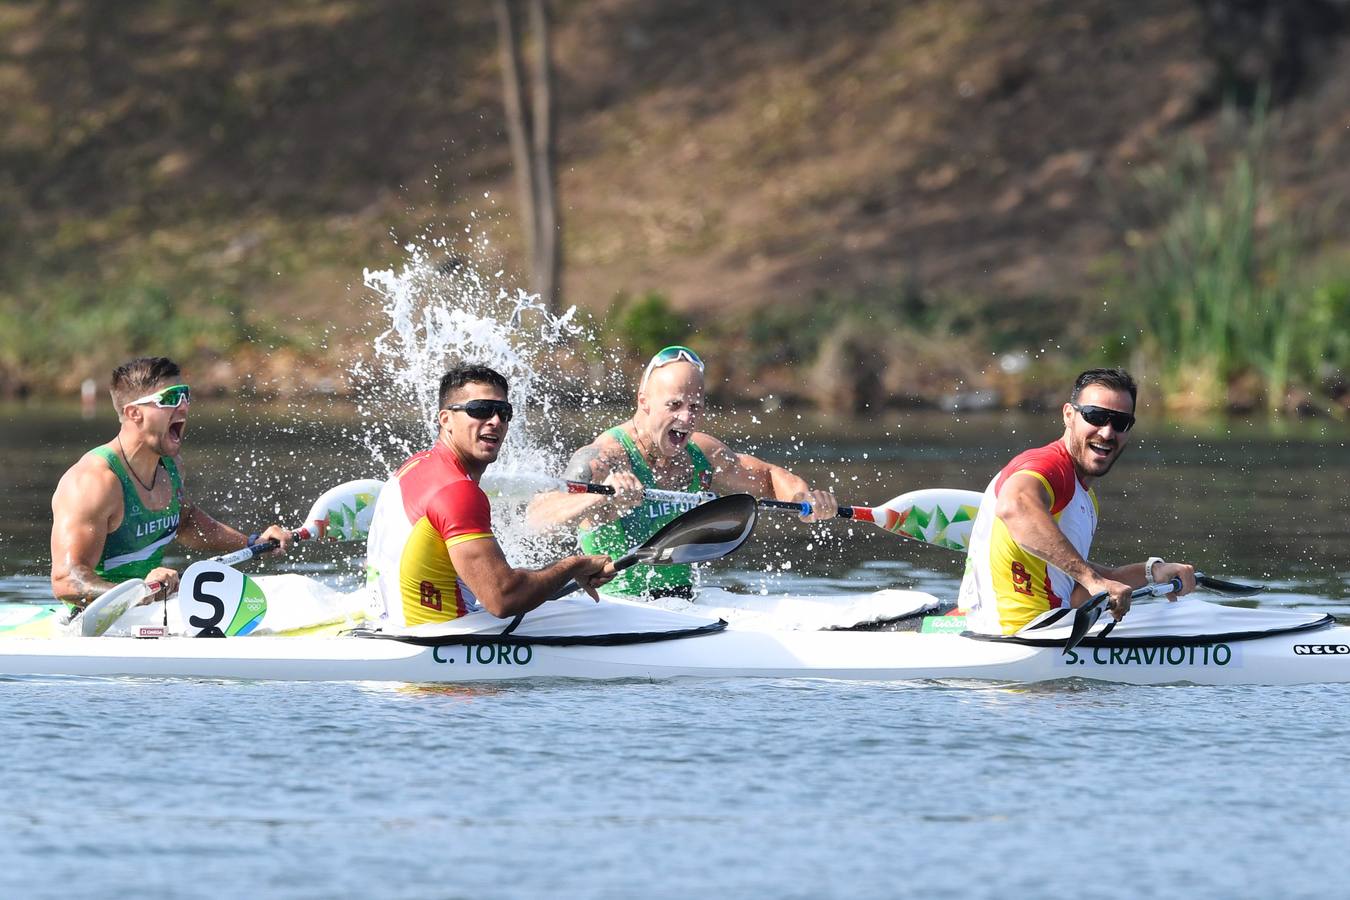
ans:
x=1086 y=616
x=940 y=516
x=341 y=513
x=522 y=486
x=1231 y=588
x=711 y=531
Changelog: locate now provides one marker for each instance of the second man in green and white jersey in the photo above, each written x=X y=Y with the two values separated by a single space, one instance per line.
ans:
x=661 y=447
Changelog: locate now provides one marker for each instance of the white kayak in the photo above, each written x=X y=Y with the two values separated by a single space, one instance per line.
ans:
x=297 y=604
x=813 y=612
x=1191 y=641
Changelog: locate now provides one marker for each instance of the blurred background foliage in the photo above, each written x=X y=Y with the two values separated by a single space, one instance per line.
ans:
x=857 y=204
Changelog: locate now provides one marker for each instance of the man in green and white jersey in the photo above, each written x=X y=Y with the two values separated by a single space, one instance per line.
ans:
x=661 y=447
x=116 y=509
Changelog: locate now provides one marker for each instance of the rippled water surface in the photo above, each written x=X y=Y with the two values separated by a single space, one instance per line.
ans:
x=132 y=788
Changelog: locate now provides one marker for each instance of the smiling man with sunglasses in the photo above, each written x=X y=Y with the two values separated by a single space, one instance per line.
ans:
x=431 y=553
x=1030 y=542
x=661 y=447
x=117 y=509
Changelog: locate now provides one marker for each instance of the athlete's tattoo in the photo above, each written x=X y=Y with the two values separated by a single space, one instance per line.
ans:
x=84 y=586
x=582 y=466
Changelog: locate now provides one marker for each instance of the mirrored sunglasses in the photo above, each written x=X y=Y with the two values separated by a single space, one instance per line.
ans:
x=668 y=355
x=485 y=409
x=171 y=397
x=1097 y=416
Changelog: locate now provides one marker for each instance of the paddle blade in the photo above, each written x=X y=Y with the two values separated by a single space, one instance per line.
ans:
x=1045 y=620
x=940 y=516
x=704 y=533
x=1084 y=618
x=343 y=513
x=1231 y=588
x=215 y=600
x=711 y=531
x=109 y=606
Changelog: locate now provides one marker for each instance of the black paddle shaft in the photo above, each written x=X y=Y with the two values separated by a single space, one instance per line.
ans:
x=1087 y=615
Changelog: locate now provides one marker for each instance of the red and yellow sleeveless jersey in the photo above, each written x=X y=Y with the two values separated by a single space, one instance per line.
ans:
x=429 y=506
x=1005 y=586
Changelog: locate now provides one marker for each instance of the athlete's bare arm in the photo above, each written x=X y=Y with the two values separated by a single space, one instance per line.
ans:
x=199 y=530
x=1024 y=507
x=735 y=473
x=86 y=508
x=505 y=591
x=600 y=462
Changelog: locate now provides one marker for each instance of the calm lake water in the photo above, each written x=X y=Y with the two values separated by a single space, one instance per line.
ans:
x=132 y=788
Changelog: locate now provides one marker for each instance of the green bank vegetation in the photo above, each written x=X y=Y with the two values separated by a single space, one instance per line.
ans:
x=67 y=314
x=1224 y=299
x=1220 y=292
x=1226 y=293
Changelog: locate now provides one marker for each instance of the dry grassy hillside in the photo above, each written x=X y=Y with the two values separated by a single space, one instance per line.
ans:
x=234 y=165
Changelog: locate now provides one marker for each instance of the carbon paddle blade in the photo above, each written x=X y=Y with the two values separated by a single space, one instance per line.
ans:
x=711 y=531
x=1231 y=588
x=939 y=516
x=109 y=606
x=1046 y=619
x=344 y=512
x=1084 y=618
x=716 y=529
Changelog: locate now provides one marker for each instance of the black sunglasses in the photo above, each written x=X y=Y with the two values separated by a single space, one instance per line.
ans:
x=485 y=409
x=1098 y=416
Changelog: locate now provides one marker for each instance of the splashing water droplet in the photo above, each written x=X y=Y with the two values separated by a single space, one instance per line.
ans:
x=444 y=314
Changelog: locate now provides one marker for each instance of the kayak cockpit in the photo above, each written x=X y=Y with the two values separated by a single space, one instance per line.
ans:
x=571 y=621
x=1189 y=621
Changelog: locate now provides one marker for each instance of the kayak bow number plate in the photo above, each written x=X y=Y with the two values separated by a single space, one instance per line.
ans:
x=216 y=600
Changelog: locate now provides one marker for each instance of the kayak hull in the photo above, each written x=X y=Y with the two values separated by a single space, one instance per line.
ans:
x=1298 y=658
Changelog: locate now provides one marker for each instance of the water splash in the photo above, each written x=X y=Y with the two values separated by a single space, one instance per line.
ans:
x=443 y=312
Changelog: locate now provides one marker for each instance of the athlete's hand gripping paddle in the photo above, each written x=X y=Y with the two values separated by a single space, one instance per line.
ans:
x=341 y=513
x=939 y=516
x=1086 y=616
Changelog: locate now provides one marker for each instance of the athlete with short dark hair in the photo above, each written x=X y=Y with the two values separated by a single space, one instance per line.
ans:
x=117 y=509
x=431 y=553
x=1030 y=542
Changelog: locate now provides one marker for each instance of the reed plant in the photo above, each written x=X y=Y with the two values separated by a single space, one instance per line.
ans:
x=1217 y=291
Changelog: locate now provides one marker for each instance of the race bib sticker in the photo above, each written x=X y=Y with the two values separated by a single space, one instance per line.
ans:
x=216 y=600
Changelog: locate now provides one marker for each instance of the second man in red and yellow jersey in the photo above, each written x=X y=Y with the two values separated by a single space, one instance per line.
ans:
x=1030 y=542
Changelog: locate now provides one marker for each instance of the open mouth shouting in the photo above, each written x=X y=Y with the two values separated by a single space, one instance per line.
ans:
x=174 y=435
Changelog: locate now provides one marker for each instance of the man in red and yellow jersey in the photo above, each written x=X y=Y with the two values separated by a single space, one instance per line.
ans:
x=431 y=552
x=1030 y=542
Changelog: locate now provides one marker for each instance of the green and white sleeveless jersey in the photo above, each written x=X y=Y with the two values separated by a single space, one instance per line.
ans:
x=137 y=546
x=641 y=522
